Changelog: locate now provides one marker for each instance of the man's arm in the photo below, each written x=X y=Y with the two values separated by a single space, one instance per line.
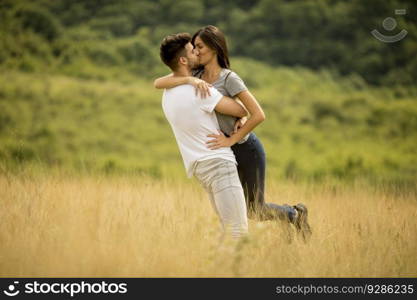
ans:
x=230 y=107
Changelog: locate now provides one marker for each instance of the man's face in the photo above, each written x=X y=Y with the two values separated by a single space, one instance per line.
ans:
x=192 y=56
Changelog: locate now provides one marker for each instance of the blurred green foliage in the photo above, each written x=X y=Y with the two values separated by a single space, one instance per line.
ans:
x=76 y=91
x=317 y=126
x=317 y=34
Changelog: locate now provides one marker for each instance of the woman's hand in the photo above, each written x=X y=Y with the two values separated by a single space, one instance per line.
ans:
x=219 y=141
x=239 y=123
x=201 y=87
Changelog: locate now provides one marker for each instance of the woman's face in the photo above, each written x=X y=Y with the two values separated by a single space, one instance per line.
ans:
x=206 y=54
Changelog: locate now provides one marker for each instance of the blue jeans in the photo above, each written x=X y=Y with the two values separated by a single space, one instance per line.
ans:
x=250 y=157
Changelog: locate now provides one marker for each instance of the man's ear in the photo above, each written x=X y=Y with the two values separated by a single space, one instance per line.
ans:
x=183 y=60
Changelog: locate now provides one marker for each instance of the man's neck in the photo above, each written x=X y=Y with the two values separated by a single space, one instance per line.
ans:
x=182 y=72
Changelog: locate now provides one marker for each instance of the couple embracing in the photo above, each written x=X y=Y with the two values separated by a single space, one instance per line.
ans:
x=207 y=106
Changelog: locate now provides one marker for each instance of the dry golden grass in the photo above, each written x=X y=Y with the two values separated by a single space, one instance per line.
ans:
x=91 y=226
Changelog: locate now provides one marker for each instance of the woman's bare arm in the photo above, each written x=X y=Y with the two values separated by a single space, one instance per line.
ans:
x=170 y=81
x=257 y=116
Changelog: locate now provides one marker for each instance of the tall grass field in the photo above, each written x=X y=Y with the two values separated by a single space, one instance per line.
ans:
x=55 y=224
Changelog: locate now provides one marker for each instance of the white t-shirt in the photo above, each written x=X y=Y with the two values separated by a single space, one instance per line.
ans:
x=192 y=119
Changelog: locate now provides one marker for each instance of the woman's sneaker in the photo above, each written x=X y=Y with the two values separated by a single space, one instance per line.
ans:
x=301 y=222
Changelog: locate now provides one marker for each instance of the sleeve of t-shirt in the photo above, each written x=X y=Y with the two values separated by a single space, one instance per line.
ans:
x=234 y=84
x=209 y=103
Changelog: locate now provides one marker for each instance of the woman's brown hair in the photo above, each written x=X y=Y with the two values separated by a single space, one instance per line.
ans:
x=215 y=40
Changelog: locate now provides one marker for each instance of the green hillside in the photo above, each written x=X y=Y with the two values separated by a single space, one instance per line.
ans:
x=316 y=125
x=76 y=85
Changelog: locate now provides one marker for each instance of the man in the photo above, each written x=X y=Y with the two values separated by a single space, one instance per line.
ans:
x=192 y=119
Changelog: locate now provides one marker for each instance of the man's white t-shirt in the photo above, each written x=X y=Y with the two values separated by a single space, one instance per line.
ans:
x=192 y=119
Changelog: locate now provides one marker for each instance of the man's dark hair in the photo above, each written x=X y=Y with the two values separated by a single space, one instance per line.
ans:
x=172 y=48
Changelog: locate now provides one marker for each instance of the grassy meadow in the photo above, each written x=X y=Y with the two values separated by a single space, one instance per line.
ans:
x=68 y=225
x=92 y=183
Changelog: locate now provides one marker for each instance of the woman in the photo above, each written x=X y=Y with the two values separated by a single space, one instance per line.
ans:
x=215 y=71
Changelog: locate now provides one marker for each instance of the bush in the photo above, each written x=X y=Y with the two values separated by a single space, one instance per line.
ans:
x=6 y=117
x=139 y=54
x=103 y=54
x=39 y=21
x=323 y=110
x=117 y=26
x=21 y=153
